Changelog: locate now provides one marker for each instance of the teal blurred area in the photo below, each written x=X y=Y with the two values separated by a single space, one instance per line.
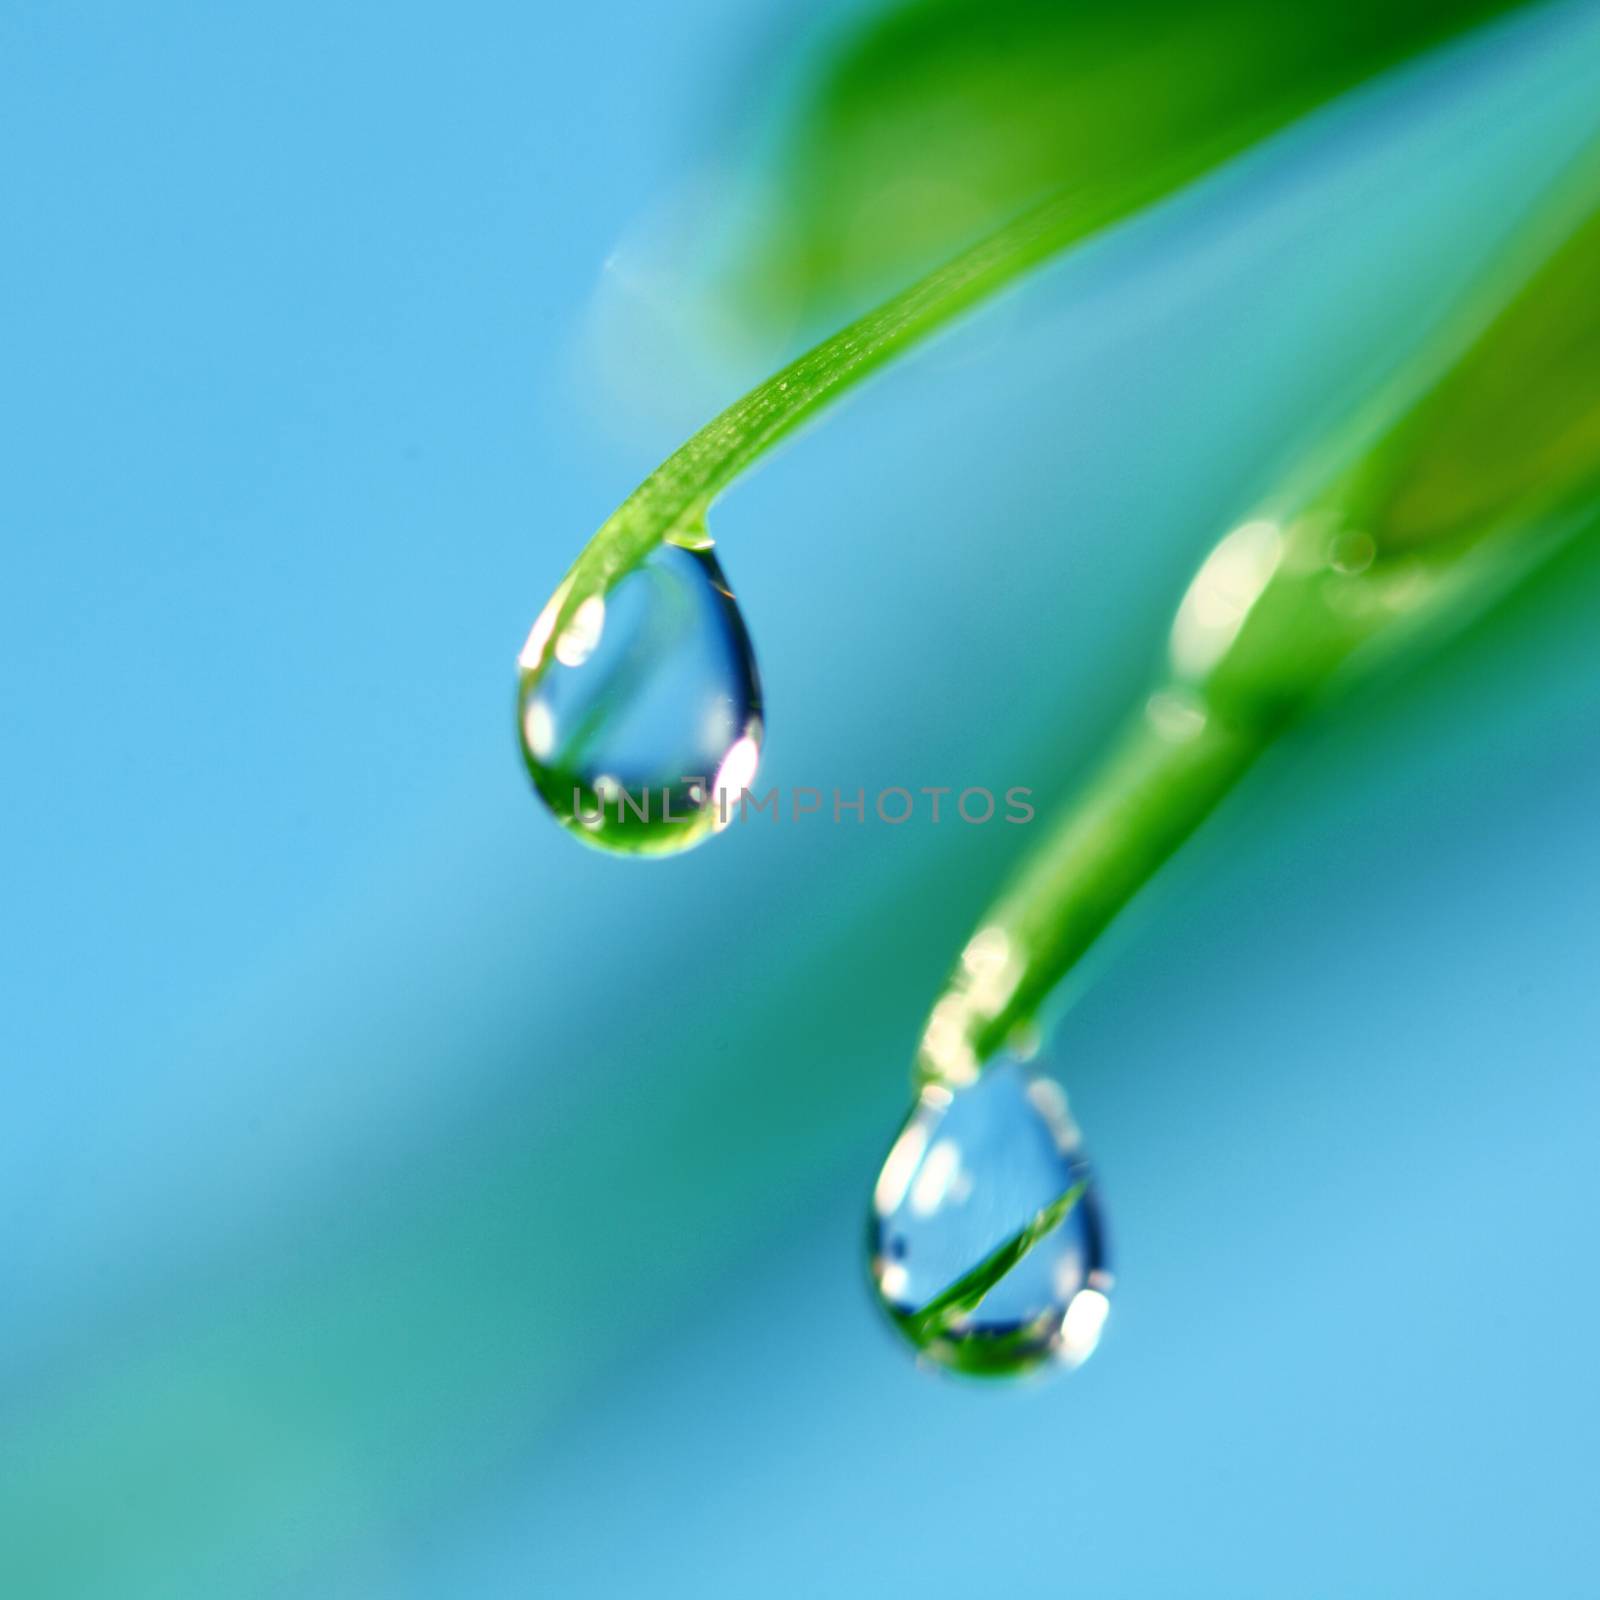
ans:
x=398 y=1200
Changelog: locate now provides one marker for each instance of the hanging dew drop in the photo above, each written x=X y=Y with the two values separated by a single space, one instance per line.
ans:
x=640 y=719
x=986 y=1244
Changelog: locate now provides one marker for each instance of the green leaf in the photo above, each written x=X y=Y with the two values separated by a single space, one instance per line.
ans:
x=1512 y=429
x=1156 y=99
x=935 y=121
x=1477 y=465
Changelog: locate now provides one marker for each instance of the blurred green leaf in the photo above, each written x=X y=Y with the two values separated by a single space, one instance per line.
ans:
x=1139 y=99
x=1461 y=478
x=1513 y=429
x=937 y=120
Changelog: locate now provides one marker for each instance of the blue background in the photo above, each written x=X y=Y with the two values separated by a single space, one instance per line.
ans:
x=396 y=1199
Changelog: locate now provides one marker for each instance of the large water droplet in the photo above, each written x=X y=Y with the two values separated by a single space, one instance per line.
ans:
x=646 y=708
x=986 y=1242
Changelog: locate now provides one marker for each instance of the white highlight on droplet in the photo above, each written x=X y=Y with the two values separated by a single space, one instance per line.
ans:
x=575 y=643
x=734 y=776
x=539 y=730
x=893 y=1181
x=539 y=634
x=1080 y=1328
x=941 y=1179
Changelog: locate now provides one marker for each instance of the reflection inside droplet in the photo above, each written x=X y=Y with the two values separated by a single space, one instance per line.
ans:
x=987 y=1248
x=643 y=706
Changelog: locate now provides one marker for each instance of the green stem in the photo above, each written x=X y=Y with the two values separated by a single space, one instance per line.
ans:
x=672 y=502
x=1277 y=68
x=1174 y=764
x=1470 y=474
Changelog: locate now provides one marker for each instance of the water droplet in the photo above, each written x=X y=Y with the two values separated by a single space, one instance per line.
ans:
x=987 y=1248
x=645 y=707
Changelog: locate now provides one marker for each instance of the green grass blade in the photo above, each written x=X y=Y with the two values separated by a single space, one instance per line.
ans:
x=1128 y=74
x=936 y=119
x=1462 y=478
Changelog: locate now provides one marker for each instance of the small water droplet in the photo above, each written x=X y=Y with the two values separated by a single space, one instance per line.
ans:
x=644 y=707
x=987 y=1248
x=1352 y=551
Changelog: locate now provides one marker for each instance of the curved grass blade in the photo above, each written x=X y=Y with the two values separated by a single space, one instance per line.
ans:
x=1272 y=70
x=935 y=120
x=1462 y=478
